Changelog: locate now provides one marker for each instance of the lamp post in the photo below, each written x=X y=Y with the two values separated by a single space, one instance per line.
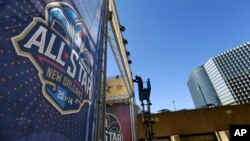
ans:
x=174 y=105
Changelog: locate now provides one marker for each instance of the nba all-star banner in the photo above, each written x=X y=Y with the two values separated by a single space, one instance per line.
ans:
x=118 y=122
x=49 y=69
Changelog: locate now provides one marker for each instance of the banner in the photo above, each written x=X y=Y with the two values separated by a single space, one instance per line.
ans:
x=118 y=122
x=49 y=69
x=116 y=87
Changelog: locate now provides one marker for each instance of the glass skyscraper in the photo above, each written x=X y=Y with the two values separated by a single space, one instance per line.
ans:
x=201 y=89
x=234 y=69
x=228 y=73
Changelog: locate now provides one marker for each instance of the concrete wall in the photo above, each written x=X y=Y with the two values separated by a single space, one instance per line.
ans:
x=197 y=121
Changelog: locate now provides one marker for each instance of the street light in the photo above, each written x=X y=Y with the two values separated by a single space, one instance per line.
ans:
x=174 y=105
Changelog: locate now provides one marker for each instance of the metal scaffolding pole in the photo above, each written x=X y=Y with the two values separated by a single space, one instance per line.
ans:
x=101 y=102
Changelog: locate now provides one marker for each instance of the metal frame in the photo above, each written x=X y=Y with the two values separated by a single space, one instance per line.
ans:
x=101 y=102
x=116 y=42
x=118 y=48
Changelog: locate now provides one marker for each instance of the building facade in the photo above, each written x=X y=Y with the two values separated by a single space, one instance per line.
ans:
x=228 y=73
x=202 y=90
x=219 y=83
x=233 y=67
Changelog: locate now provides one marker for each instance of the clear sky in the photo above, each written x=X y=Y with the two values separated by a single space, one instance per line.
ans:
x=167 y=39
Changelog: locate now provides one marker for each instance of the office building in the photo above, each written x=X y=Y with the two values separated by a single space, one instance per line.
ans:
x=229 y=73
x=222 y=90
x=201 y=89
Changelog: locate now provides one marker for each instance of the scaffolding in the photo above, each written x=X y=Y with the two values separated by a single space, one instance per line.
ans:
x=112 y=33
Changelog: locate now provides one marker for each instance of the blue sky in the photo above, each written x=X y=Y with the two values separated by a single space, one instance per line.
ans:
x=167 y=39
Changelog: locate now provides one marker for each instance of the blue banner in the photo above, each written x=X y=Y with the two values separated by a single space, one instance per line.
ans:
x=49 y=69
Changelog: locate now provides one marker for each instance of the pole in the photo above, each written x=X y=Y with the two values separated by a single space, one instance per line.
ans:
x=174 y=105
x=101 y=102
x=106 y=12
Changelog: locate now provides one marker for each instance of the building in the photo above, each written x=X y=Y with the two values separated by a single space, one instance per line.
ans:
x=229 y=74
x=219 y=83
x=201 y=88
x=210 y=124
